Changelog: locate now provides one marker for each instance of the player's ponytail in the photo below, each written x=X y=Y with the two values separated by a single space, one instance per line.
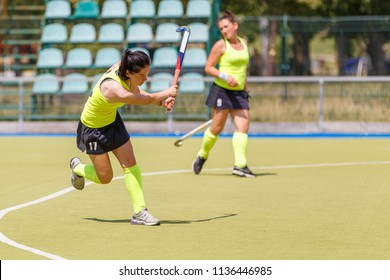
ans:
x=132 y=62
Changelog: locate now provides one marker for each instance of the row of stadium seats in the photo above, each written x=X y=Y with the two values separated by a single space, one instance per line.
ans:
x=54 y=58
x=60 y=54
x=77 y=83
x=61 y=9
x=57 y=33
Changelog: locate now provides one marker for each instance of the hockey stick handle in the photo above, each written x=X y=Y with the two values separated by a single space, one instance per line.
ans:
x=176 y=76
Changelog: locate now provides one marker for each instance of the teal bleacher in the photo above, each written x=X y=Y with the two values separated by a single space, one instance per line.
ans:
x=80 y=39
x=89 y=30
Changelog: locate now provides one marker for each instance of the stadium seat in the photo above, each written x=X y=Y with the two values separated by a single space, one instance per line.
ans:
x=79 y=58
x=96 y=78
x=82 y=33
x=111 y=33
x=142 y=9
x=166 y=33
x=192 y=83
x=160 y=81
x=198 y=9
x=139 y=33
x=46 y=84
x=199 y=32
x=170 y=9
x=57 y=9
x=165 y=57
x=140 y=49
x=114 y=9
x=107 y=57
x=86 y=9
x=54 y=33
x=195 y=58
x=50 y=58
x=75 y=83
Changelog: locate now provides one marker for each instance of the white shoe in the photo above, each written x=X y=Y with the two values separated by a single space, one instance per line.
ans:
x=77 y=181
x=144 y=218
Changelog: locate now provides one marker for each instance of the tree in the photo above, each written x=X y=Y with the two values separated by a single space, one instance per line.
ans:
x=371 y=33
x=373 y=36
x=300 y=64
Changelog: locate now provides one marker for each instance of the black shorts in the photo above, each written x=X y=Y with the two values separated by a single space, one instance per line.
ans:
x=221 y=98
x=102 y=140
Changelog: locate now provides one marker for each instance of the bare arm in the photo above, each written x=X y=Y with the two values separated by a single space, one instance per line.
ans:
x=114 y=92
x=216 y=51
x=168 y=103
x=246 y=79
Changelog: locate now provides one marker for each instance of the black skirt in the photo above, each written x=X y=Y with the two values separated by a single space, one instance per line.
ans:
x=102 y=140
x=221 y=98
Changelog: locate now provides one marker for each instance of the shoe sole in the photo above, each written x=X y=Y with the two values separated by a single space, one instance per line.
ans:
x=77 y=183
x=242 y=174
x=142 y=223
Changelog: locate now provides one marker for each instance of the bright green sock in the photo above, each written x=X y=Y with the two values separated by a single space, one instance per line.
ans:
x=240 y=142
x=133 y=181
x=88 y=171
x=209 y=140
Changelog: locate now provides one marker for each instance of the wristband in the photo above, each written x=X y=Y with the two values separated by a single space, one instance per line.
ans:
x=223 y=76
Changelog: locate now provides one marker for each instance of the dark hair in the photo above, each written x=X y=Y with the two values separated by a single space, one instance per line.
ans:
x=133 y=62
x=229 y=16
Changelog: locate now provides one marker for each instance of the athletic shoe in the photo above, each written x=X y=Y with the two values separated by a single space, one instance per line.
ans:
x=77 y=181
x=198 y=164
x=144 y=218
x=243 y=172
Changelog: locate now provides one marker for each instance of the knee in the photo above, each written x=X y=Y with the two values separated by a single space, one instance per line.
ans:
x=105 y=179
x=216 y=130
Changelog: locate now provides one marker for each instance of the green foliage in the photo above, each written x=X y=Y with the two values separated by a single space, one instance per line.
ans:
x=247 y=7
x=307 y=7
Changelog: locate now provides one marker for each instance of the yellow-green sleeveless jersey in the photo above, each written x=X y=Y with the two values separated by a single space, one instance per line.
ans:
x=233 y=62
x=98 y=112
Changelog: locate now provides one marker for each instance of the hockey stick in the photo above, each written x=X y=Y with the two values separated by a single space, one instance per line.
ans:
x=182 y=51
x=179 y=142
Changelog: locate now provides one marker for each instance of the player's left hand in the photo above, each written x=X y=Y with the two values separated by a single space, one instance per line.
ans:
x=169 y=103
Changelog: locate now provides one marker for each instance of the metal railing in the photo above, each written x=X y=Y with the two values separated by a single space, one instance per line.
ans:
x=273 y=100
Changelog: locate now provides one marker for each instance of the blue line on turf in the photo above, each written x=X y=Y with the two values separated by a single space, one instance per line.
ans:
x=252 y=135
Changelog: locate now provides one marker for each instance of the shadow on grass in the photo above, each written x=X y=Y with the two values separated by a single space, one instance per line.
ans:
x=172 y=222
x=230 y=174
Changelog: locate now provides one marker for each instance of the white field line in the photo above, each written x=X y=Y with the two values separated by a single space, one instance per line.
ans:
x=5 y=211
x=8 y=241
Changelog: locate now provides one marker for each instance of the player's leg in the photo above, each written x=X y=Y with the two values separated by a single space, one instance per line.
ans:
x=132 y=173
x=211 y=134
x=94 y=142
x=133 y=182
x=99 y=172
x=240 y=143
x=210 y=137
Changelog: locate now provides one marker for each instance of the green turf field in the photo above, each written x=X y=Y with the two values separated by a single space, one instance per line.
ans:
x=313 y=199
